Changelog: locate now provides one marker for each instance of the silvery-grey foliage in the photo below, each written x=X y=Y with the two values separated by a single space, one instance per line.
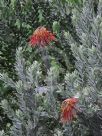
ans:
x=28 y=118
x=87 y=80
x=52 y=84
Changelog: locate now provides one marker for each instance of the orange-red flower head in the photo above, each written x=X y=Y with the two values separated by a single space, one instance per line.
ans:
x=41 y=37
x=68 y=110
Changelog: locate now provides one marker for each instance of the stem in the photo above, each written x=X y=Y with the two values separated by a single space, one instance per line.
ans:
x=45 y=57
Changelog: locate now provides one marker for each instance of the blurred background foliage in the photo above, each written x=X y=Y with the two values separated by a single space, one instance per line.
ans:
x=18 y=20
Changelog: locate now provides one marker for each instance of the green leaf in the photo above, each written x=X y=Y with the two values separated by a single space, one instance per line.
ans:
x=13 y=2
x=56 y=26
x=55 y=64
x=18 y=24
x=40 y=16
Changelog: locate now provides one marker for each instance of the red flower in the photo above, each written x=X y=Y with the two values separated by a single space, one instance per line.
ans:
x=68 y=110
x=41 y=37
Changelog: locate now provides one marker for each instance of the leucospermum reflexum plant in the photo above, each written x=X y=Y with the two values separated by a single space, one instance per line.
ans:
x=41 y=38
x=36 y=108
x=68 y=109
x=37 y=111
x=80 y=116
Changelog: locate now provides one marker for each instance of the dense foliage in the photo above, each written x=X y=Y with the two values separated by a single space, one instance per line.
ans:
x=31 y=90
x=18 y=20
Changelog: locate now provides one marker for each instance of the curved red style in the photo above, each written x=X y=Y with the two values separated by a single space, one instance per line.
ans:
x=41 y=37
x=68 y=111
